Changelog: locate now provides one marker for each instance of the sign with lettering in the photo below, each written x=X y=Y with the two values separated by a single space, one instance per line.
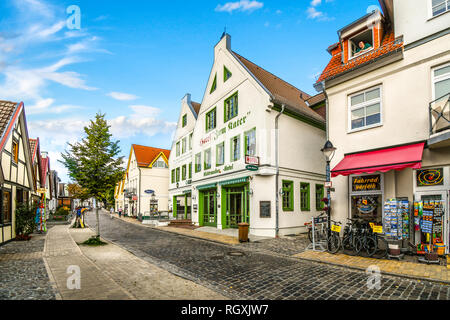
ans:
x=264 y=209
x=251 y=167
x=366 y=183
x=149 y=191
x=252 y=160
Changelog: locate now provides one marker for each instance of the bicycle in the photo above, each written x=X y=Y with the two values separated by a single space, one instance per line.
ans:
x=351 y=233
x=333 y=239
x=366 y=241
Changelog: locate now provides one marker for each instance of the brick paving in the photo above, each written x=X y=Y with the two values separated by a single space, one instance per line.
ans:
x=23 y=273
x=258 y=273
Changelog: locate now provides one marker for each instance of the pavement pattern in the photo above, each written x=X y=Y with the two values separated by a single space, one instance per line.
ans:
x=23 y=274
x=246 y=272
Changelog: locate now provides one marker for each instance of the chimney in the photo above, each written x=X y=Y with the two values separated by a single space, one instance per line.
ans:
x=44 y=154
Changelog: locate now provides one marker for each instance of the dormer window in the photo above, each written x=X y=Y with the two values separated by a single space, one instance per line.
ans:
x=361 y=43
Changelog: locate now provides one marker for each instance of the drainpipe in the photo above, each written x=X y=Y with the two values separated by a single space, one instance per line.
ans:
x=277 y=209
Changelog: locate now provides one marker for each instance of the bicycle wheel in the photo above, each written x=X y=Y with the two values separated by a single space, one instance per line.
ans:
x=370 y=246
x=334 y=243
x=358 y=246
x=382 y=248
x=310 y=235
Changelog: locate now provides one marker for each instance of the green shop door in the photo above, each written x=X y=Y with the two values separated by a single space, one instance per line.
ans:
x=236 y=206
x=208 y=208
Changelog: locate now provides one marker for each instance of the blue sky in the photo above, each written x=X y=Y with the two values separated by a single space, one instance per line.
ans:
x=135 y=60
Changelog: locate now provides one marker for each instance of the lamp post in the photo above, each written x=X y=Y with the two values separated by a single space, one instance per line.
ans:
x=328 y=151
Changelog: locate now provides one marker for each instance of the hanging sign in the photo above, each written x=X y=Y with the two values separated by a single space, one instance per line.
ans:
x=252 y=160
x=41 y=190
x=252 y=167
x=430 y=177
x=336 y=228
x=366 y=183
x=134 y=198
x=149 y=191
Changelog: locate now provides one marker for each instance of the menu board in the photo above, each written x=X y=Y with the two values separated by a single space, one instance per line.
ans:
x=264 y=209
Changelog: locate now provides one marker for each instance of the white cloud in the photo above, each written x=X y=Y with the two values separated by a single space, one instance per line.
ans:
x=316 y=2
x=243 y=5
x=314 y=13
x=122 y=96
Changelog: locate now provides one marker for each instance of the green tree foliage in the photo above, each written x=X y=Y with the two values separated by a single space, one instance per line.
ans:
x=93 y=163
x=25 y=219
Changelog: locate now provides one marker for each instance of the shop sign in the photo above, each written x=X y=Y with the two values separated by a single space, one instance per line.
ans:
x=134 y=198
x=252 y=167
x=252 y=160
x=328 y=184
x=430 y=177
x=208 y=173
x=366 y=183
x=149 y=191
x=237 y=123
x=228 y=168
x=41 y=190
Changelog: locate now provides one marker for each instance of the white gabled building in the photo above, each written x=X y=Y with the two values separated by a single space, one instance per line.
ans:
x=180 y=161
x=241 y=108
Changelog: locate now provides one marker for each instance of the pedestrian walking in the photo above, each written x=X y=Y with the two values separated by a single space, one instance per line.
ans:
x=120 y=212
x=111 y=211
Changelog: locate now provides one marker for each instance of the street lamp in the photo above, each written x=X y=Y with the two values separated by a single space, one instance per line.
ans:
x=328 y=151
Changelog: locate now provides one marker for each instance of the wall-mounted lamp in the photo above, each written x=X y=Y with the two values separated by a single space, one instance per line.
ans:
x=250 y=192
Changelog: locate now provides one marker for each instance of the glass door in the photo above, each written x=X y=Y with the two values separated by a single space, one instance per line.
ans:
x=439 y=195
x=209 y=208
x=236 y=207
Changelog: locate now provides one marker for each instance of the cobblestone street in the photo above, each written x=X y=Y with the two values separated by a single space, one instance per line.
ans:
x=22 y=271
x=241 y=272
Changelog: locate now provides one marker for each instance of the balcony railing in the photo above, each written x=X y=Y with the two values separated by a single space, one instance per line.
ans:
x=440 y=114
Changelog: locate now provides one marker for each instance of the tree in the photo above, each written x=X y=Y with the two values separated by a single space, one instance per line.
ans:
x=93 y=163
x=77 y=192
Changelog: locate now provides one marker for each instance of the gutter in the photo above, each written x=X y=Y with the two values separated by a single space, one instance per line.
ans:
x=277 y=196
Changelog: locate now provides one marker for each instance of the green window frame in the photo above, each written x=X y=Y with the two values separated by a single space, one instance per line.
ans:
x=178 y=148
x=235 y=148
x=288 y=195
x=211 y=120
x=250 y=142
x=198 y=162
x=305 y=197
x=173 y=176
x=190 y=170
x=207 y=159
x=184 y=122
x=190 y=141
x=220 y=158
x=320 y=192
x=183 y=172
x=183 y=146
x=230 y=109
x=178 y=174
x=214 y=84
x=226 y=74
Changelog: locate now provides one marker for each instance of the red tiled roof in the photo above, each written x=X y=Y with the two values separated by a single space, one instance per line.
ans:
x=45 y=167
x=280 y=89
x=34 y=146
x=196 y=106
x=335 y=67
x=145 y=155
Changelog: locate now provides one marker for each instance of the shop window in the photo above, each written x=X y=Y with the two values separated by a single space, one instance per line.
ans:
x=183 y=146
x=441 y=81
x=367 y=207
x=250 y=143
x=183 y=172
x=231 y=107
x=190 y=170
x=220 y=154
x=304 y=197
x=439 y=6
x=15 y=151
x=214 y=85
x=173 y=176
x=360 y=43
x=235 y=148
x=365 y=109
x=319 y=196
x=178 y=148
x=207 y=159
x=5 y=207
x=226 y=74
x=184 y=120
x=211 y=120
x=198 y=162
x=178 y=174
x=288 y=195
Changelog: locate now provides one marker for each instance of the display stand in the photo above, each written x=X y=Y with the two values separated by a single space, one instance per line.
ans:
x=428 y=220
x=396 y=225
x=317 y=244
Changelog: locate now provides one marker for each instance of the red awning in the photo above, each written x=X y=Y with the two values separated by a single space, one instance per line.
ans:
x=397 y=158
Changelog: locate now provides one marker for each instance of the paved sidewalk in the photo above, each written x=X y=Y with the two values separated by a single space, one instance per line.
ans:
x=61 y=251
x=393 y=267
x=23 y=274
x=111 y=273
